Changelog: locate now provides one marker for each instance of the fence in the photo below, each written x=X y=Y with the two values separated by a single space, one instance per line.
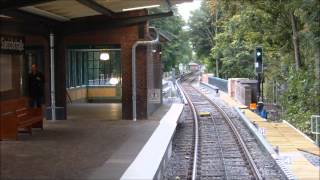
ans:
x=222 y=84
x=275 y=111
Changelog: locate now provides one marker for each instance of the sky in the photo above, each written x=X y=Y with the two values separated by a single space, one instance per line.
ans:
x=185 y=8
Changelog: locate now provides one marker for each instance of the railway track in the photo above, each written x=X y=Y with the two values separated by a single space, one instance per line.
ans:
x=211 y=142
x=219 y=150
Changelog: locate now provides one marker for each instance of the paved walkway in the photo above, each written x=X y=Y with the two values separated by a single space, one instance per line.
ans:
x=88 y=145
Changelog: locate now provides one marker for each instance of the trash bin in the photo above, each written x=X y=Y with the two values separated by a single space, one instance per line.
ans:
x=264 y=114
x=259 y=107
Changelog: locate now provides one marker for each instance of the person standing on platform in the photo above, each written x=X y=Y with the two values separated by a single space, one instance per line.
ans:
x=36 y=87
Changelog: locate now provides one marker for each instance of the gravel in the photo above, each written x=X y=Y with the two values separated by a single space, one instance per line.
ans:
x=180 y=162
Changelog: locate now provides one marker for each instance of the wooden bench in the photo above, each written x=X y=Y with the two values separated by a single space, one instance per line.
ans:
x=17 y=116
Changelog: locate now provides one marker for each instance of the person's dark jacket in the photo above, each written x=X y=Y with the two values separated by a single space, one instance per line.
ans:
x=36 y=84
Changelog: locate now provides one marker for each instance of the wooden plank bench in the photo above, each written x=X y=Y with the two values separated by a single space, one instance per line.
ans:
x=16 y=116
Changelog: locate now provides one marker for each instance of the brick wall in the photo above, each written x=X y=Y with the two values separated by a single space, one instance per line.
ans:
x=154 y=74
x=31 y=40
x=123 y=36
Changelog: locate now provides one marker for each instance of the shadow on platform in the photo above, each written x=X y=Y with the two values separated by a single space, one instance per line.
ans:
x=80 y=147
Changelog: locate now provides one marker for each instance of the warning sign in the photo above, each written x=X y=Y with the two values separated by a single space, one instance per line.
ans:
x=154 y=95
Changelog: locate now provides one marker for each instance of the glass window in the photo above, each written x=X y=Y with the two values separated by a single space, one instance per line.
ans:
x=67 y=70
x=84 y=67
x=79 y=69
x=90 y=55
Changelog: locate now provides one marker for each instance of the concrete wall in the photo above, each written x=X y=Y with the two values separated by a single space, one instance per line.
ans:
x=243 y=94
x=154 y=76
x=95 y=94
x=232 y=85
x=243 y=90
x=78 y=94
x=222 y=84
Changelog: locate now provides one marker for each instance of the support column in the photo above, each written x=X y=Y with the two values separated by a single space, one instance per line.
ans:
x=52 y=85
x=126 y=81
x=58 y=76
x=142 y=55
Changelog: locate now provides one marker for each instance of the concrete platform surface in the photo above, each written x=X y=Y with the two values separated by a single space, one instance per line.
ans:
x=82 y=147
x=289 y=141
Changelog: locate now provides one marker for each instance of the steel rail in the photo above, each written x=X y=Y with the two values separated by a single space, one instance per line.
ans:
x=247 y=154
x=256 y=173
x=196 y=130
x=220 y=147
x=180 y=92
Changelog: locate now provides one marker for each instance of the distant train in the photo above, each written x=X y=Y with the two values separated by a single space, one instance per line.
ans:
x=194 y=67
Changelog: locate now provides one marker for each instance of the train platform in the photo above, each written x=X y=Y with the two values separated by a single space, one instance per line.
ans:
x=291 y=143
x=94 y=143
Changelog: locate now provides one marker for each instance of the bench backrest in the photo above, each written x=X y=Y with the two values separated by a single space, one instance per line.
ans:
x=12 y=105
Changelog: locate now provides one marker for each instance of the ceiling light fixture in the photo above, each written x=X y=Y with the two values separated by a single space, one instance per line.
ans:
x=114 y=81
x=141 y=7
x=104 y=56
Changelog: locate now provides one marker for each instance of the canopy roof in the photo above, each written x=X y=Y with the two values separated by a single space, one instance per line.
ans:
x=65 y=10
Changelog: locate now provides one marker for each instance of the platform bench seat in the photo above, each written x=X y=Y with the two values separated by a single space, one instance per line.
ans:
x=17 y=116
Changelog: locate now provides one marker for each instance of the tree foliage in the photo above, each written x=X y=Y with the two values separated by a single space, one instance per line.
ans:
x=289 y=33
x=177 y=50
x=202 y=31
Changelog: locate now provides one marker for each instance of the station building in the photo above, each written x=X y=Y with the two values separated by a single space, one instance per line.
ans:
x=74 y=34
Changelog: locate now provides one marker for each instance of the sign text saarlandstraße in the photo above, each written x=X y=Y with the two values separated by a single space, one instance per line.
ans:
x=11 y=43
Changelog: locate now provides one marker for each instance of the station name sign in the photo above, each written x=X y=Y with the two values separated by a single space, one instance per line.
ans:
x=11 y=44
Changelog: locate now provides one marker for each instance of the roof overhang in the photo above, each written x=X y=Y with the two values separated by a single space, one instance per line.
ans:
x=66 y=10
x=66 y=17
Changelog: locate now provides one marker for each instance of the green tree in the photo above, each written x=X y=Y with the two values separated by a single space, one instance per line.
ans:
x=202 y=31
x=289 y=32
x=178 y=50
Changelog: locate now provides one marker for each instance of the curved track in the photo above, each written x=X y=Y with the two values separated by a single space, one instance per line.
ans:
x=219 y=150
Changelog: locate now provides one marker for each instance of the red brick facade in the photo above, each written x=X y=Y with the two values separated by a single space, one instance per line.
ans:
x=123 y=36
